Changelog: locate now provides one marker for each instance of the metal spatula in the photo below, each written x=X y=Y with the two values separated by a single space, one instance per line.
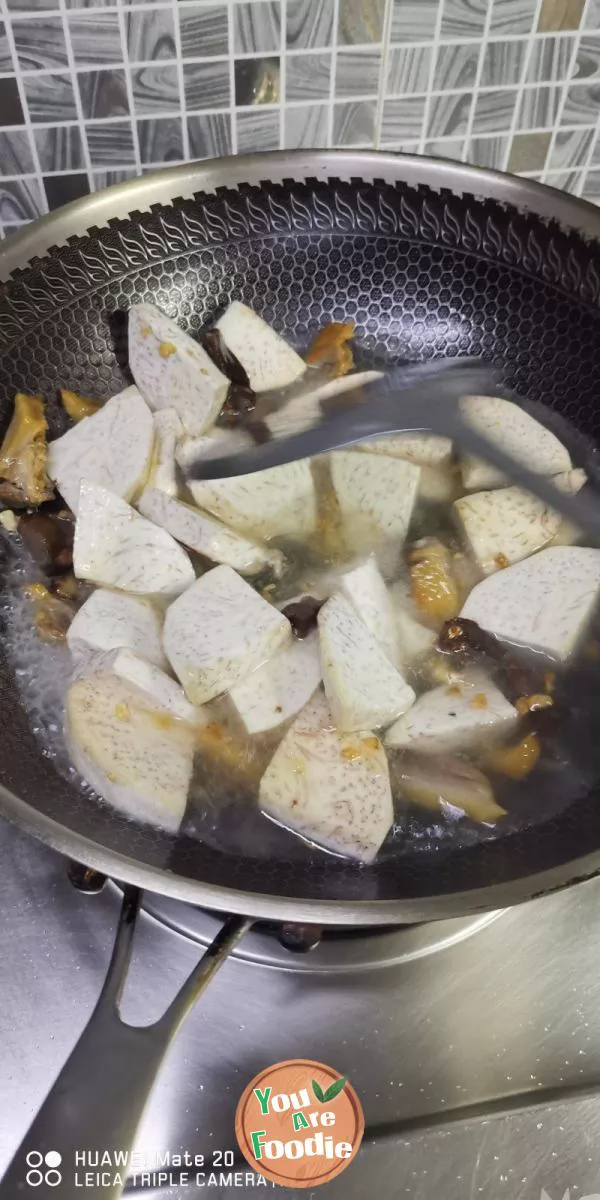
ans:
x=419 y=399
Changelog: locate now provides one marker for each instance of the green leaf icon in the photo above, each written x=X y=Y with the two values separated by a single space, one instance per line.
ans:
x=318 y=1090
x=335 y=1088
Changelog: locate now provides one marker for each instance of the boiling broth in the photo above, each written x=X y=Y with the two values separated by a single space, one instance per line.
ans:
x=222 y=809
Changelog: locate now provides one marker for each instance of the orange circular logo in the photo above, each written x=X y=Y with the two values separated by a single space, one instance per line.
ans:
x=299 y=1123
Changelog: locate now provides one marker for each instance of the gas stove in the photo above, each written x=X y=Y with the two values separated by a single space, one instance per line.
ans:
x=474 y=1044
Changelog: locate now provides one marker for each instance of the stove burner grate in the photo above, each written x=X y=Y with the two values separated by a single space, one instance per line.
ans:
x=314 y=949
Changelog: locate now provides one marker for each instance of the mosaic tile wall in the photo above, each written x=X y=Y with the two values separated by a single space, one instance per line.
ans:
x=95 y=91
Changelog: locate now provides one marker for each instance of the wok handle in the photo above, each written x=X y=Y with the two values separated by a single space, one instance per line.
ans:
x=100 y=1095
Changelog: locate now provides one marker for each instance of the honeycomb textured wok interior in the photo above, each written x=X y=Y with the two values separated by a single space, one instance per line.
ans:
x=422 y=273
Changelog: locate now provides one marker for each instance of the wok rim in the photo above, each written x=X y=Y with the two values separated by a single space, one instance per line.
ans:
x=162 y=187
x=160 y=880
x=182 y=182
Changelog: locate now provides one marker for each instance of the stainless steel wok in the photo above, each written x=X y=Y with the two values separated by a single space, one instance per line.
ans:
x=429 y=258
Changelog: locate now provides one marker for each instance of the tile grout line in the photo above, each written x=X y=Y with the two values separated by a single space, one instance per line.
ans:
x=429 y=93
x=118 y=64
x=77 y=95
x=185 y=140
x=557 y=124
x=383 y=69
x=447 y=40
x=436 y=95
x=595 y=136
x=282 y=70
x=477 y=81
x=488 y=137
x=225 y=58
x=360 y=51
x=68 y=171
x=333 y=77
x=27 y=122
x=522 y=85
x=536 y=85
x=526 y=86
x=137 y=163
x=587 y=165
x=231 y=62
x=166 y=114
x=106 y=122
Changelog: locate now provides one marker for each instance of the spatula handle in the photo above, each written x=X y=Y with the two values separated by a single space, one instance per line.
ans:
x=98 y=1100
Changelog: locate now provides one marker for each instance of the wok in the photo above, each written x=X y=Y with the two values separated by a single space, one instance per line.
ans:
x=429 y=258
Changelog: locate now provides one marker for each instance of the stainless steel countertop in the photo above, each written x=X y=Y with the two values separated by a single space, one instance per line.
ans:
x=478 y=1065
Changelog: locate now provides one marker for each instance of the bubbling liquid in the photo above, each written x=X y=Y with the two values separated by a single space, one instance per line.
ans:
x=43 y=670
x=222 y=809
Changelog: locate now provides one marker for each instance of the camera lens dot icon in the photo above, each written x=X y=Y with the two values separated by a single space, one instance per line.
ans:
x=36 y=1176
